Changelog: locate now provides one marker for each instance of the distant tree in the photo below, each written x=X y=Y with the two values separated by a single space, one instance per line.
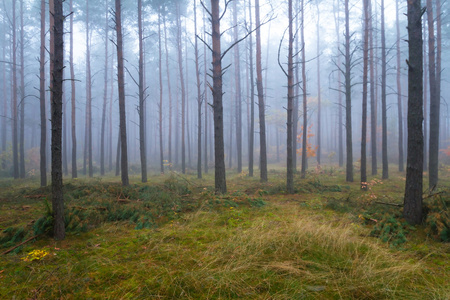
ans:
x=336 y=11
x=22 y=96
x=304 y=91
x=383 y=97
x=373 y=97
x=183 y=89
x=319 y=94
x=105 y=94
x=88 y=130
x=412 y=210
x=399 y=94
x=56 y=72
x=237 y=76
x=251 y=134
x=121 y=88
x=14 y=96
x=348 y=95
x=199 y=99
x=161 y=91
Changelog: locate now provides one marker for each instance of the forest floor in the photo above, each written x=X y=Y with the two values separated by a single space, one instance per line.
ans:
x=172 y=238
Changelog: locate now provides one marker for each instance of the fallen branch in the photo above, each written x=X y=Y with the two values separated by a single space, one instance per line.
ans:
x=17 y=246
x=392 y=204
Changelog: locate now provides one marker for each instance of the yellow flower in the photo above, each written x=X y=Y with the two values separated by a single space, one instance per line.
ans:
x=35 y=255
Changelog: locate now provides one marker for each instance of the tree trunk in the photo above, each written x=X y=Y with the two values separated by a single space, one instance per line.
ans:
x=348 y=97
x=434 y=100
x=142 y=111
x=220 y=179
x=88 y=94
x=73 y=100
x=373 y=98
x=22 y=97
x=261 y=105
x=295 y=115
x=425 y=97
x=290 y=106
x=168 y=89
x=251 y=133
x=43 y=156
x=319 y=99
x=339 y=83
x=412 y=210
x=14 y=98
x=56 y=71
x=199 y=99
x=305 y=97
x=160 y=106
x=183 y=91
x=399 y=95
x=385 y=174
x=206 y=98
x=237 y=75
x=121 y=89
x=105 y=95
x=366 y=17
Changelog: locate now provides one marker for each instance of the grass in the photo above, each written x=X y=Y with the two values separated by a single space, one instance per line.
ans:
x=254 y=243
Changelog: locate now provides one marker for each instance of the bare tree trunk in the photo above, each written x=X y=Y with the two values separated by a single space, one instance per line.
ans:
x=252 y=100
x=237 y=72
x=412 y=210
x=121 y=88
x=56 y=71
x=206 y=98
x=110 y=112
x=339 y=83
x=199 y=99
x=142 y=144
x=385 y=174
x=168 y=89
x=5 y=104
x=434 y=67
x=290 y=105
x=373 y=98
x=366 y=17
x=425 y=97
x=220 y=179
x=295 y=114
x=319 y=94
x=261 y=105
x=22 y=97
x=305 y=100
x=73 y=100
x=14 y=99
x=88 y=94
x=160 y=106
x=183 y=91
x=105 y=95
x=348 y=97
x=399 y=95
x=43 y=156
x=118 y=155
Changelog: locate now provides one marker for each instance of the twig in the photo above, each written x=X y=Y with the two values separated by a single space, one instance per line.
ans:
x=17 y=246
x=392 y=204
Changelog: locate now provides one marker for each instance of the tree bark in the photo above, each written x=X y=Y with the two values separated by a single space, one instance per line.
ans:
x=348 y=97
x=237 y=75
x=399 y=95
x=412 y=210
x=339 y=86
x=183 y=91
x=290 y=105
x=385 y=174
x=88 y=94
x=199 y=99
x=14 y=98
x=251 y=133
x=73 y=99
x=168 y=89
x=319 y=94
x=121 y=89
x=364 y=96
x=142 y=139
x=105 y=96
x=22 y=97
x=261 y=105
x=43 y=156
x=373 y=98
x=57 y=57
x=161 y=90
x=304 y=93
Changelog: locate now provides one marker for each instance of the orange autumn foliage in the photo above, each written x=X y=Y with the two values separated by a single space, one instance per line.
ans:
x=310 y=150
x=446 y=151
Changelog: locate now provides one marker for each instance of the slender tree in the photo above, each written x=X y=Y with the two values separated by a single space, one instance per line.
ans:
x=121 y=89
x=73 y=99
x=43 y=156
x=399 y=94
x=161 y=90
x=251 y=136
x=339 y=86
x=168 y=87
x=364 y=96
x=237 y=76
x=373 y=98
x=385 y=174
x=183 y=90
x=348 y=96
x=261 y=105
x=319 y=94
x=56 y=72
x=22 y=97
x=14 y=98
x=304 y=93
x=105 y=95
x=141 y=110
x=199 y=99
x=412 y=210
x=88 y=146
x=290 y=106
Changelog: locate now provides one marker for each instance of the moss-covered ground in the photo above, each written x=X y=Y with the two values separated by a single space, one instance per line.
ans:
x=172 y=238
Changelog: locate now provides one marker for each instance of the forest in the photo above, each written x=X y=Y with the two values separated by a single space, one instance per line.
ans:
x=218 y=149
